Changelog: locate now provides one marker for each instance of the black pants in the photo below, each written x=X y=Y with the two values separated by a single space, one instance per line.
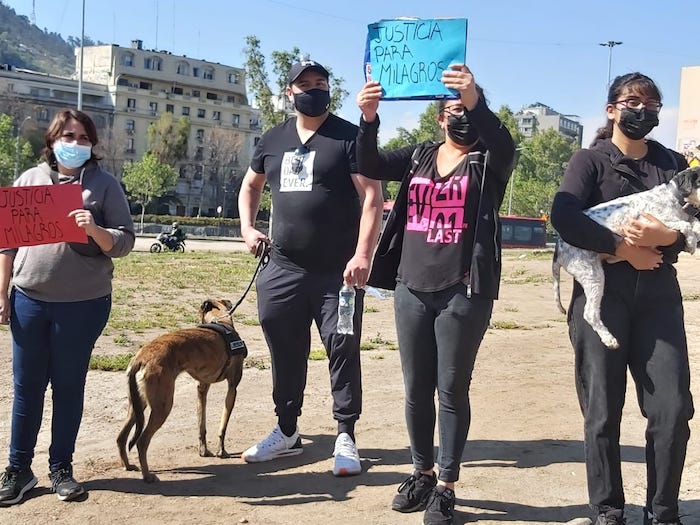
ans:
x=287 y=304
x=439 y=336
x=644 y=311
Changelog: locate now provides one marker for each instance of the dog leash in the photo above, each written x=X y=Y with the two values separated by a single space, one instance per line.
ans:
x=262 y=252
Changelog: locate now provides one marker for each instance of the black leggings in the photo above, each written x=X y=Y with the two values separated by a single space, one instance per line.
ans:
x=439 y=335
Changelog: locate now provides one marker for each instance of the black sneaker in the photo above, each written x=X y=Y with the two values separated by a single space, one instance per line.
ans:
x=611 y=517
x=14 y=484
x=441 y=508
x=414 y=492
x=64 y=485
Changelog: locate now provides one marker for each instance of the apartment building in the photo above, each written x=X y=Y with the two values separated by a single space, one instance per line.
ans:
x=688 y=132
x=540 y=117
x=125 y=89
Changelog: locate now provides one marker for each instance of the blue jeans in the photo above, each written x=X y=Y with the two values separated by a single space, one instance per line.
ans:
x=439 y=336
x=51 y=342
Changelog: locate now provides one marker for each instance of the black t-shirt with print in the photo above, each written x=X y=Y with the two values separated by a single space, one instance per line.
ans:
x=439 y=233
x=316 y=210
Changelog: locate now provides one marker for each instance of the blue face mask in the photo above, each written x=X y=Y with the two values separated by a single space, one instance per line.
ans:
x=71 y=154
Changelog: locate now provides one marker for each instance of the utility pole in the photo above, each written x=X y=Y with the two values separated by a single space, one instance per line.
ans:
x=82 y=46
x=19 y=130
x=610 y=44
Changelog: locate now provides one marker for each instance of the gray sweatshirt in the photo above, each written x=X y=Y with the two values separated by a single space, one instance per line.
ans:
x=68 y=272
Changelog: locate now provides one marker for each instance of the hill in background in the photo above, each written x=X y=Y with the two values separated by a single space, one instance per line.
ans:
x=24 y=45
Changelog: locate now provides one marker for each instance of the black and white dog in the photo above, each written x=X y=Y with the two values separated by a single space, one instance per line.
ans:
x=667 y=202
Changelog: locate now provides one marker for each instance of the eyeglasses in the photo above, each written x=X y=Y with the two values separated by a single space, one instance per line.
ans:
x=637 y=103
x=298 y=159
x=455 y=111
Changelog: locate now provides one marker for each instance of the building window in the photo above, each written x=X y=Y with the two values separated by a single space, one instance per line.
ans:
x=199 y=153
x=131 y=103
x=256 y=140
x=121 y=81
x=200 y=135
x=128 y=60
x=145 y=85
x=43 y=115
x=216 y=115
x=169 y=108
x=236 y=120
x=130 y=145
x=183 y=68
x=212 y=96
x=152 y=63
x=208 y=74
x=176 y=90
x=130 y=126
x=201 y=113
x=195 y=93
x=234 y=78
x=195 y=72
x=185 y=110
x=153 y=106
x=231 y=98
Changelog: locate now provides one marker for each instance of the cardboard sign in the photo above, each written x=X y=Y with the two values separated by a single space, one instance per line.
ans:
x=31 y=215
x=407 y=56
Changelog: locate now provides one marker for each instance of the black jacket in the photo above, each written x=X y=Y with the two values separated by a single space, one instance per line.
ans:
x=491 y=161
x=600 y=174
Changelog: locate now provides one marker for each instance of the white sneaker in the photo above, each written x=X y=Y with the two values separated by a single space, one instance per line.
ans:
x=276 y=445
x=347 y=459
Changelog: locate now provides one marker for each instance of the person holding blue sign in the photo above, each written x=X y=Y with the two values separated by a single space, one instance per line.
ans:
x=440 y=251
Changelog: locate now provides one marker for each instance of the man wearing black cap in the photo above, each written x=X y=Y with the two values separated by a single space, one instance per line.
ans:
x=326 y=223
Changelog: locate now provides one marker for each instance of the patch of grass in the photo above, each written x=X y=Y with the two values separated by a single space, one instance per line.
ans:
x=256 y=362
x=110 y=363
x=122 y=340
x=250 y=322
x=378 y=339
x=368 y=345
x=511 y=309
x=506 y=325
x=691 y=297
x=371 y=309
x=318 y=354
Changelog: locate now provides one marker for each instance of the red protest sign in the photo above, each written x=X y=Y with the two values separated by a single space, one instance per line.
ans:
x=31 y=215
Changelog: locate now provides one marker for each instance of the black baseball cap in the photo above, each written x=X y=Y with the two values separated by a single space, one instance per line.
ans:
x=304 y=65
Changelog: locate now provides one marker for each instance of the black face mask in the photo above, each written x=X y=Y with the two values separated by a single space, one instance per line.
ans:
x=636 y=123
x=312 y=103
x=461 y=131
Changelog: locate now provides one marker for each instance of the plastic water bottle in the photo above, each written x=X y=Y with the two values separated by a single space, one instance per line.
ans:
x=346 y=309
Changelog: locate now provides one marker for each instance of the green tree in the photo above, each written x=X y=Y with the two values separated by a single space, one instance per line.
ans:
x=541 y=164
x=147 y=179
x=259 y=82
x=167 y=138
x=8 y=152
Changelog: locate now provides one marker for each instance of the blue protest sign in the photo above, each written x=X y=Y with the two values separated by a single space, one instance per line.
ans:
x=407 y=56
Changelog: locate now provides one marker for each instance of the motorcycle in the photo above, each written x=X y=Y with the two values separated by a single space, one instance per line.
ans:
x=167 y=242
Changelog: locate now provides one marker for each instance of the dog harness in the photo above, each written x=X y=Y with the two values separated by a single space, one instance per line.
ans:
x=233 y=341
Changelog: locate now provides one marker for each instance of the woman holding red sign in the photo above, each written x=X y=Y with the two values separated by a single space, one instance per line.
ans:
x=59 y=303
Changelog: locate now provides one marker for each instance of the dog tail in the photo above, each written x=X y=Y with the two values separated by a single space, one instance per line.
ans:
x=136 y=403
x=556 y=275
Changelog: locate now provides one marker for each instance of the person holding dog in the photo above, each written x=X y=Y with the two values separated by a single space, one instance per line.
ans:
x=440 y=250
x=324 y=230
x=59 y=303
x=642 y=306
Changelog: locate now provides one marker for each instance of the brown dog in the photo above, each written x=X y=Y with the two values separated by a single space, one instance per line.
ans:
x=201 y=352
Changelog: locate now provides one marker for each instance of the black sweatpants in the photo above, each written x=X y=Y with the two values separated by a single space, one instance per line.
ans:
x=288 y=302
x=644 y=311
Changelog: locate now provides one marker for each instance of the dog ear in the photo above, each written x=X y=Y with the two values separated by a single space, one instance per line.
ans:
x=207 y=306
x=228 y=304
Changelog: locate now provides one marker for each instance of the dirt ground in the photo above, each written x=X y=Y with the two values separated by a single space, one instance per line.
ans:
x=522 y=463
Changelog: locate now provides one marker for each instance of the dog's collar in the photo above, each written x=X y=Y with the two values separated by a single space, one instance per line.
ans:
x=233 y=341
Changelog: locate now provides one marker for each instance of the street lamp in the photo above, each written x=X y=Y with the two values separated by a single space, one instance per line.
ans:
x=610 y=44
x=19 y=130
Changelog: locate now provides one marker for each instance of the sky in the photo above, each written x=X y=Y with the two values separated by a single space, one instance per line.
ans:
x=520 y=52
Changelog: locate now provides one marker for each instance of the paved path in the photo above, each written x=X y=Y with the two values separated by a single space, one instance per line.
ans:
x=197 y=245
